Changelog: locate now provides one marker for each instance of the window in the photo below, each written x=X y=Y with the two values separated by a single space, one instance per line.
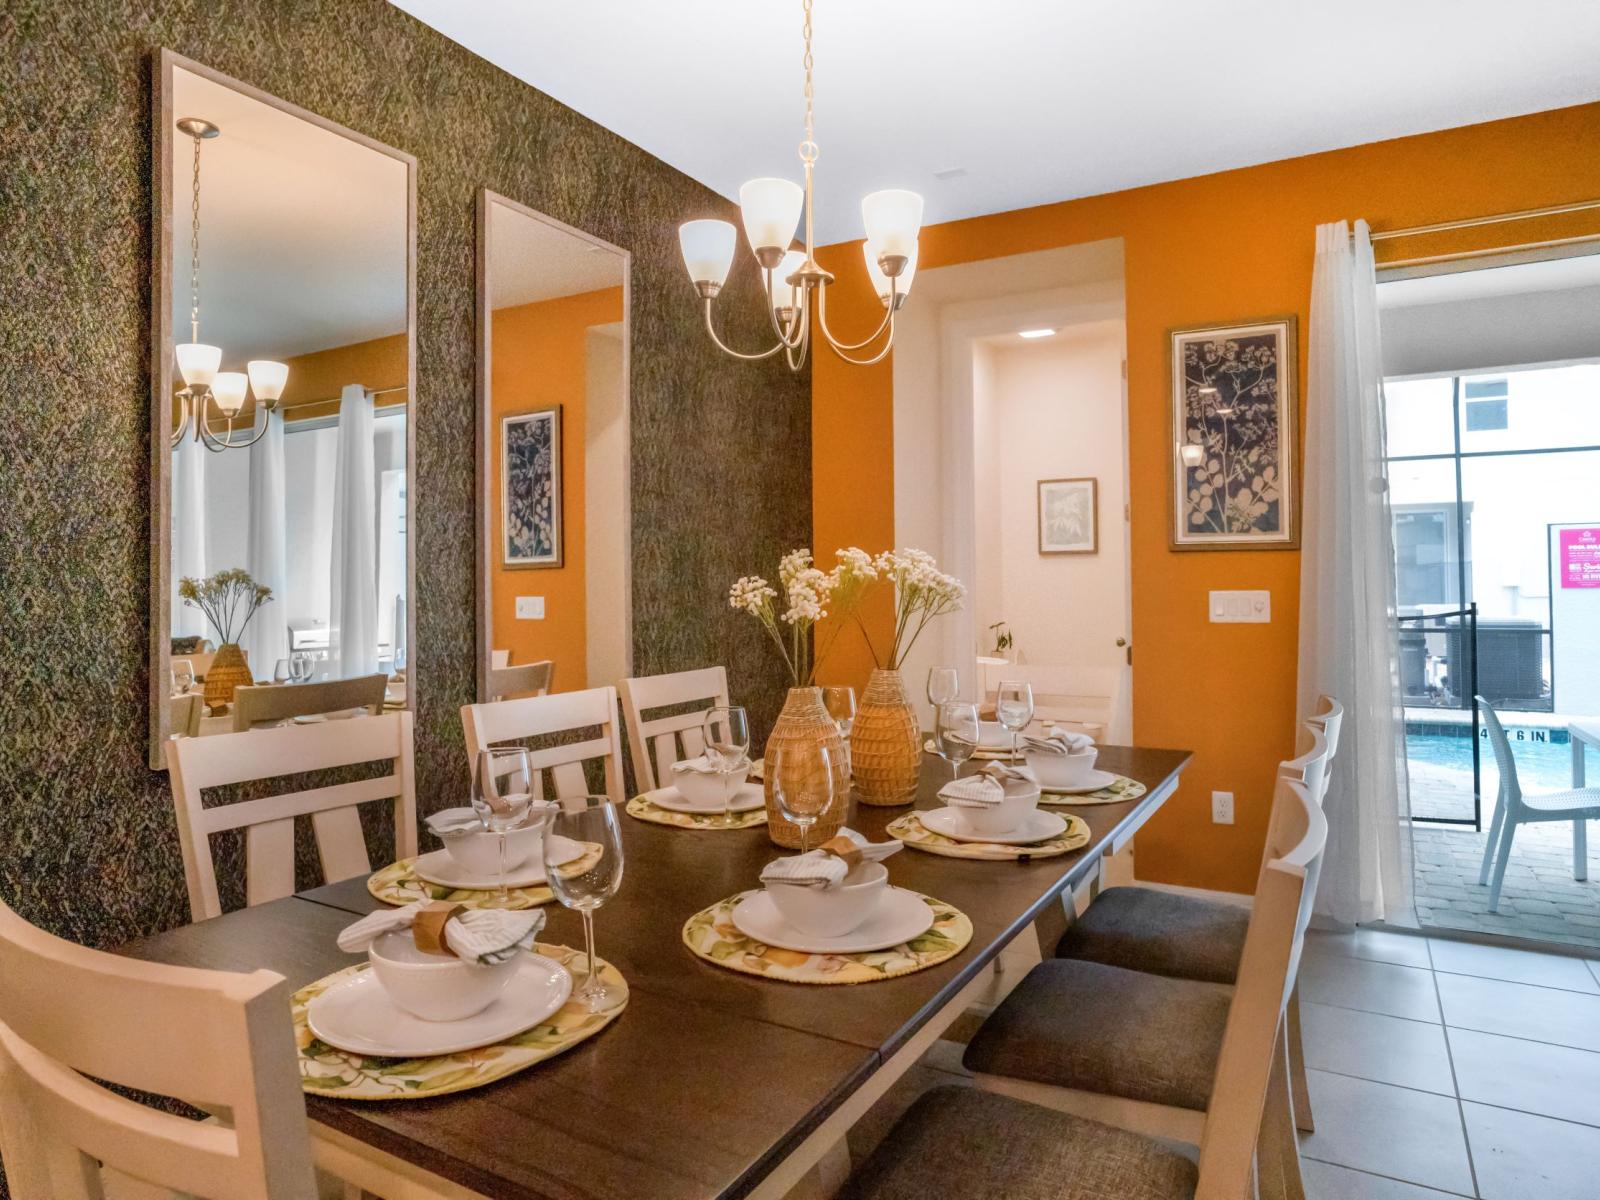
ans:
x=1485 y=407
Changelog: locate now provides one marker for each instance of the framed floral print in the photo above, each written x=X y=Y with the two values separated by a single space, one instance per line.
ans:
x=1069 y=516
x=1234 y=451
x=530 y=488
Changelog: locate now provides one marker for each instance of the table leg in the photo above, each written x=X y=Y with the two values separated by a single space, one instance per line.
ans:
x=1580 y=833
x=1577 y=759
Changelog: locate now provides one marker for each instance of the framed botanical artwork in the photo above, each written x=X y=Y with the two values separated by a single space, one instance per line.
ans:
x=1069 y=516
x=1234 y=452
x=530 y=488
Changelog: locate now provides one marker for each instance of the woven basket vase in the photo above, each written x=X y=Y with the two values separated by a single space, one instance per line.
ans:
x=805 y=720
x=885 y=743
x=228 y=670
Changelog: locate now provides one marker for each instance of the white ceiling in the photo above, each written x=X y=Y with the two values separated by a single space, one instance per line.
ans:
x=1521 y=279
x=532 y=260
x=302 y=231
x=1035 y=100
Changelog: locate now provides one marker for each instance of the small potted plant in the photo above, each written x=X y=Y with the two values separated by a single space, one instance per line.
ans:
x=228 y=599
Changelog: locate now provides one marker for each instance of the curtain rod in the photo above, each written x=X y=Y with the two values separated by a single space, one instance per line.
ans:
x=1526 y=214
x=1487 y=252
x=371 y=392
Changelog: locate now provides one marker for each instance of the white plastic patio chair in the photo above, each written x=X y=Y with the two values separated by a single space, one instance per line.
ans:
x=1514 y=808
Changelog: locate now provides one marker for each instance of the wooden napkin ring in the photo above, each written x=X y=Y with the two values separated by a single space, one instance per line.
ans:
x=842 y=847
x=428 y=929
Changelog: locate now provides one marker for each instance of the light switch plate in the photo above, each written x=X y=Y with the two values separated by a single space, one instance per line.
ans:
x=1233 y=608
x=530 y=608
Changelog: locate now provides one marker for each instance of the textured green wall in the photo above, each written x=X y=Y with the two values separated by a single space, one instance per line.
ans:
x=721 y=450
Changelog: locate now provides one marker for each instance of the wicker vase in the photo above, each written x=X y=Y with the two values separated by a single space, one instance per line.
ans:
x=805 y=720
x=228 y=670
x=885 y=743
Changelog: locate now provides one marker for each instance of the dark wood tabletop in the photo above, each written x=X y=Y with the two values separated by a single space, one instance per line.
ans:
x=711 y=1077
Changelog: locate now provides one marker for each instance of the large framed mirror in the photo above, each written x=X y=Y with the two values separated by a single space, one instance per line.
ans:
x=554 y=600
x=282 y=417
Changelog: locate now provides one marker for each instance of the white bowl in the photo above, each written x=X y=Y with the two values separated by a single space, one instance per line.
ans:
x=705 y=790
x=833 y=912
x=436 y=987
x=1022 y=799
x=478 y=850
x=1062 y=770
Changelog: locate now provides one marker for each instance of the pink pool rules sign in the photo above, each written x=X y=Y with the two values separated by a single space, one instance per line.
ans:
x=1580 y=558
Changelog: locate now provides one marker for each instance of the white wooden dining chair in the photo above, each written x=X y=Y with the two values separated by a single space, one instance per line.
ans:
x=271 y=703
x=268 y=822
x=186 y=713
x=1242 y=1129
x=549 y=717
x=1516 y=807
x=1089 y=700
x=222 y=1041
x=657 y=743
x=530 y=679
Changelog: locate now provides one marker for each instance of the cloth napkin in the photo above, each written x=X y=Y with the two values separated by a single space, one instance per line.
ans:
x=453 y=820
x=823 y=869
x=700 y=765
x=987 y=788
x=485 y=935
x=1057 y=740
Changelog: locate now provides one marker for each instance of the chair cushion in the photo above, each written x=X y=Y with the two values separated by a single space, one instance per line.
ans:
x=958 y=1143
x=1163 y=933
x=1102 y=1029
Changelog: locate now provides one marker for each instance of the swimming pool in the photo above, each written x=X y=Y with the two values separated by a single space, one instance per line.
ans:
x=1543 y=764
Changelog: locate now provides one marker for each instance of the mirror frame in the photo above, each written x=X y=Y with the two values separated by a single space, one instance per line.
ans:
x=488 y=504
x=162 y=364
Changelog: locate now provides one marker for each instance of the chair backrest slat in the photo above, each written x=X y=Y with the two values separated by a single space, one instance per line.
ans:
x=270 y=703
x=1297 y=838
x=232 y=758
x=655 y=744
x=215 y=1039
x=1504 y=760
x=516 y=721
x=532 y=679
x=186 y=714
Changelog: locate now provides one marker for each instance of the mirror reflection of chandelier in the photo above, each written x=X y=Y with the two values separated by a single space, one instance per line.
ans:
x=203 y=384
x=771 y=212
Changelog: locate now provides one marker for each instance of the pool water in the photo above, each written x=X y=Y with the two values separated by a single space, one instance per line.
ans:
x=1542 y=765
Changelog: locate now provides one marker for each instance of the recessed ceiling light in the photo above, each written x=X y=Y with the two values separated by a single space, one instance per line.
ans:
x=1036 y=333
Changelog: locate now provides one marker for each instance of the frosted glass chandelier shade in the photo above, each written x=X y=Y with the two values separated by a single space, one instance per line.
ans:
x=771 y=212
x=893 y=218
x=267 y=378
x=707 y=250
x=198 y=363
x=1192 y=453
x=228 y=389
x=779 y=291
x=880 y=281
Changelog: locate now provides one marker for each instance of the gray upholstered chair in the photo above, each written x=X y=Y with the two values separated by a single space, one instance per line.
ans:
x=270 y=704
x=1085 y=1066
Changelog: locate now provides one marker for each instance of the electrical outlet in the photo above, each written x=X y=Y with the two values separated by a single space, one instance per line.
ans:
x=530 y=608
x=1222 y=808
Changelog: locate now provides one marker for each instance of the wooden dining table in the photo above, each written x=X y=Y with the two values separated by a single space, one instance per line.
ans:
x=711 y=1083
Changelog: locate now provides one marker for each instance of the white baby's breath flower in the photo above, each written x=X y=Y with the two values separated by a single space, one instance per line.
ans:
x=751 y=594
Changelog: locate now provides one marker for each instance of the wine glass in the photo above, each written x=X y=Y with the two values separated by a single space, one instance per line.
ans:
x=727 y=737
x=956 y=734
x=280 y=671
x=182 y=677
x=586 y=819
x=944 y=685
x=802 y=785
x=841 y=705
x=1014 y=707
x=502 y=794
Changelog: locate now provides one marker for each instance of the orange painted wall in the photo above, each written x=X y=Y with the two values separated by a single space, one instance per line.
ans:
x=1231 y=246
x=537 y=360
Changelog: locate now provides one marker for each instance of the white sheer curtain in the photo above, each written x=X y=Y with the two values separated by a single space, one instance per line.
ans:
x=266 y=547
x=1348 y=645
x=353 y=614
x=188 y=531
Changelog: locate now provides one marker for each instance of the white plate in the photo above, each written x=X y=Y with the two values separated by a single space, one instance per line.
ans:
x=749 y=796
x=438 y=867
x=901 y=916
x=1093 y=783
x=1040 y=826
x=357 y=1015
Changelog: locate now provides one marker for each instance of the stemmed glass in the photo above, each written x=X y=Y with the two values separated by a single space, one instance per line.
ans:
x=802 y=785
x=280 y=671
x=182 y=678
x=586 y=819
x=300 y=666
x=502 y=794
x=944 y=685
x=841 y=705
x=956 y=734
x=727 y=738
x=1013 y=707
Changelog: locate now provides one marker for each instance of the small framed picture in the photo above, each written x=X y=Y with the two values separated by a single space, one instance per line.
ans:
x=530 y=488
x=1069 y=516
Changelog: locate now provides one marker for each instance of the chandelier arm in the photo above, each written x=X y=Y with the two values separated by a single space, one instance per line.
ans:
x=183 y=422
x=888 y=345
x=783 y=337
x=217 y=445
x=729 y=350
x=838 y=346
x=796 y=355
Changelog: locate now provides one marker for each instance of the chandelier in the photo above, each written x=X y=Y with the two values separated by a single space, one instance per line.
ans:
x=770 y=209
x=203 y=384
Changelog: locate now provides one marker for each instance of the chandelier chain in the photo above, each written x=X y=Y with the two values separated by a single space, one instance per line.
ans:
x=194 y=248
x=808 y=148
